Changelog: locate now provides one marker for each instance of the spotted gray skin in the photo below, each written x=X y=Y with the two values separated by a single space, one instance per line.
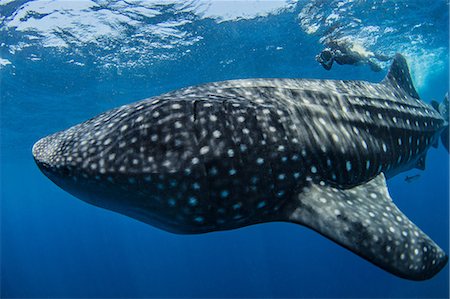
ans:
x=229 y=154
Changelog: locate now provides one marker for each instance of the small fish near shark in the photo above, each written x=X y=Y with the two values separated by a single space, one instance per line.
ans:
x=224 y=155
x=412 y=178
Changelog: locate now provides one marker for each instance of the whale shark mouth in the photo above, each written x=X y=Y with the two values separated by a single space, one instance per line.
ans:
x=47 y=151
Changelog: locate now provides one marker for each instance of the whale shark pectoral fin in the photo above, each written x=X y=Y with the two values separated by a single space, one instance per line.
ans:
x=364 y=220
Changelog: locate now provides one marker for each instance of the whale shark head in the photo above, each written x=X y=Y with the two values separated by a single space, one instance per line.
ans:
x=142 y=160
x=107 y=160
x=66 y=160
x=74 y=161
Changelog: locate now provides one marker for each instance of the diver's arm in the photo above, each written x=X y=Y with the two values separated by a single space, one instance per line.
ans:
x=327 y=65
x=374 y=66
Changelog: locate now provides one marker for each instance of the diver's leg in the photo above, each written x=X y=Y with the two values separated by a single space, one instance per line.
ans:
x=382 y=57
x=374 y=66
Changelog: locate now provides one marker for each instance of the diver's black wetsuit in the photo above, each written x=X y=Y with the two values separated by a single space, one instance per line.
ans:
x=344 y=55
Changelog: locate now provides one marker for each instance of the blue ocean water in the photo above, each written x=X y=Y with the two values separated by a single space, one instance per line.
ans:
x=62 y=62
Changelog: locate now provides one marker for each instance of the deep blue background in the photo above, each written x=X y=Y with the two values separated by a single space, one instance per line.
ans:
x=54 y=245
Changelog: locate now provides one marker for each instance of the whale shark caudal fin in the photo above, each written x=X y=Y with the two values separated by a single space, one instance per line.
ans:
x=399 y=77
x=443 y=109
x=364 y=220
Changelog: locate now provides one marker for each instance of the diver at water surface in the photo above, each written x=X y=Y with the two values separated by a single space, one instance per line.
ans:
x=344 y=52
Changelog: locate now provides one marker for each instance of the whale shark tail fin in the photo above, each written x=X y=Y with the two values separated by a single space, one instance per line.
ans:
x=442 y=108
x=364 y=220
x=445 y=137
x=399 y=76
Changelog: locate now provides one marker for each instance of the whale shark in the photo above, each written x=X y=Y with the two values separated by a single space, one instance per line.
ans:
x=224 y=155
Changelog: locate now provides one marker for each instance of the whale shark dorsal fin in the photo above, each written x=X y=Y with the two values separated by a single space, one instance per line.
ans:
x=399 y=76
x=364 y=220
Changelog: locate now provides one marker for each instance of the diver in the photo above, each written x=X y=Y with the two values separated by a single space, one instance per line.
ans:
x=349 y=53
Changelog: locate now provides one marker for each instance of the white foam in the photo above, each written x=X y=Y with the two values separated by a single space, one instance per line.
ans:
x=75 y=20
x=4 y=2
x=69 y=24
x=361 y=50
x=4 y=62
x=424 y=64
x=234 y=10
